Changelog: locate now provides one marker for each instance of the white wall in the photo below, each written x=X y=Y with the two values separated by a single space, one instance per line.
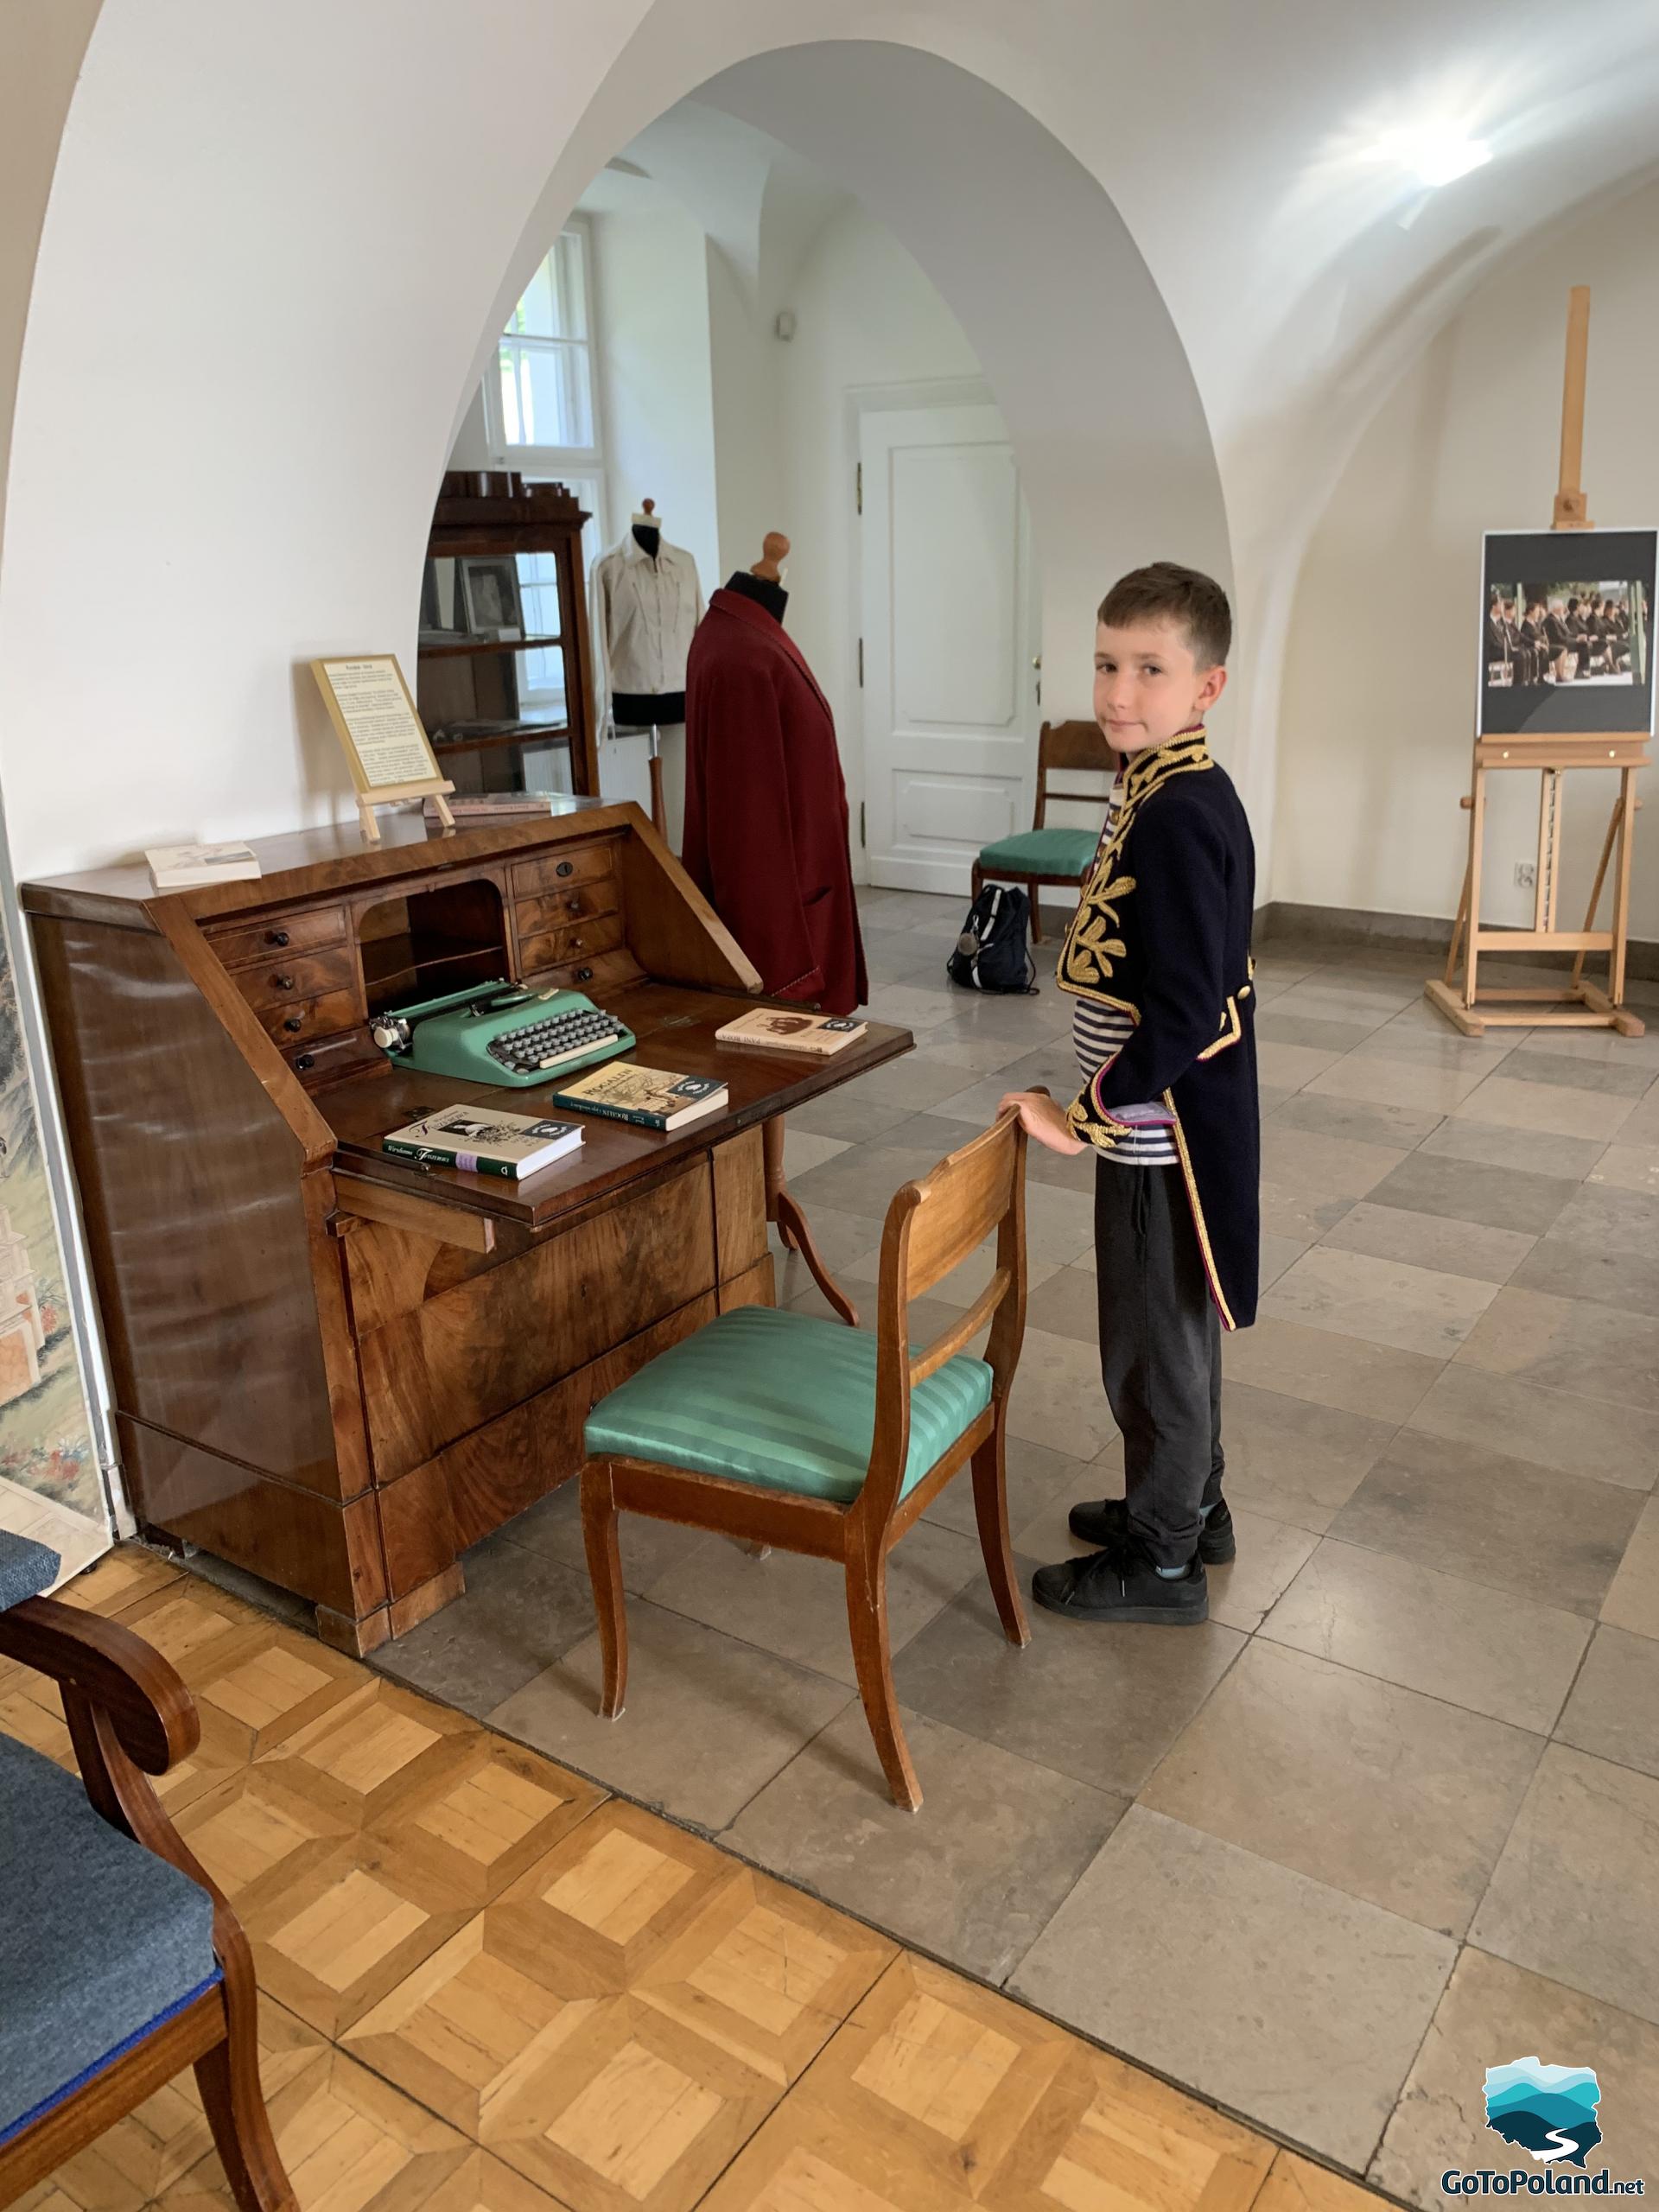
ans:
x=866 y=317
x=736 y=432
x=472 y=445
x=1379 y=678
x=656 y=410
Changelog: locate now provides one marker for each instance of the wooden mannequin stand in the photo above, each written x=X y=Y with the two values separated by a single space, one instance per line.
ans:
x=1576 y=1003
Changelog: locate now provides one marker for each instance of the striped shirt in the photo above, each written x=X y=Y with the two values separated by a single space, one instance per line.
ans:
x=1098 y=1033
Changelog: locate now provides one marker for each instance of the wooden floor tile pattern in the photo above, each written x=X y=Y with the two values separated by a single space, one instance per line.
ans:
x=489 y=1987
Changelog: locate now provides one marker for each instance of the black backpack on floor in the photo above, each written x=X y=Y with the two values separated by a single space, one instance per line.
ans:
x=991 y=953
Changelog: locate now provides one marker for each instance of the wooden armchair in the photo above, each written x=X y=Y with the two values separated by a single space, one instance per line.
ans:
x=1041 y=855
x=120 y=1963
x=782 y=1428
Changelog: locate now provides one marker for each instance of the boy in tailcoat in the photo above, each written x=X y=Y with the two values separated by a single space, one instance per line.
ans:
x=1158 y=961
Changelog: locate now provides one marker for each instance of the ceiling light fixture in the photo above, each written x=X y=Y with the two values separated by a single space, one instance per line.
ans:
x=1436 y=155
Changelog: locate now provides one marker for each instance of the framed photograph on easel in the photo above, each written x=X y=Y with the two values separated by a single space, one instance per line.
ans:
x=385 y=743
x=1566 y=632
x=1565 y=681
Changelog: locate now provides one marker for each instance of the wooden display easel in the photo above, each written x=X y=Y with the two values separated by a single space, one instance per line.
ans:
x=1577 y=1004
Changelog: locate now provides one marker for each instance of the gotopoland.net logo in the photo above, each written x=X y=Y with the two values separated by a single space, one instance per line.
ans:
x=1551 y=2113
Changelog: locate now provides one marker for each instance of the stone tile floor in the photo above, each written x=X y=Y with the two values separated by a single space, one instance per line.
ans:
x=1390 y=1817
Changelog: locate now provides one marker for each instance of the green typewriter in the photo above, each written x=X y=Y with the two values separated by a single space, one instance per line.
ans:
x=500 y=1032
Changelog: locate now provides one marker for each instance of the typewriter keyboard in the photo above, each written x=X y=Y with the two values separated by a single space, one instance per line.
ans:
x=552 y=1041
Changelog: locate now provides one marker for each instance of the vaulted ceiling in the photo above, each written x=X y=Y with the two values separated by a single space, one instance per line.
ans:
x=300 y=228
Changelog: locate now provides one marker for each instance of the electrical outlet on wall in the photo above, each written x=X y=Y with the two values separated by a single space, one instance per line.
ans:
x=1526 y=874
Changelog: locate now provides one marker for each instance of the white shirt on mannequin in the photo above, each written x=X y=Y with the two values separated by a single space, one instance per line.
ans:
x=644 y=613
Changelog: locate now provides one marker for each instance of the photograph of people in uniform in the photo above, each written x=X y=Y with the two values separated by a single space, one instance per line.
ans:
x=1553 y=640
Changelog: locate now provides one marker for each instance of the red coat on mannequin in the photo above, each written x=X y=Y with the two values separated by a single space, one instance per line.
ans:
x=765 y=808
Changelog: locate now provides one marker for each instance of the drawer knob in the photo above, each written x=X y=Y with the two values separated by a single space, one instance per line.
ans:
x=302 y=1061
x=572 y=903
x=283 y=983
x=584 y=975
x=276 y=937
x=296 y=1021
x=566 y=867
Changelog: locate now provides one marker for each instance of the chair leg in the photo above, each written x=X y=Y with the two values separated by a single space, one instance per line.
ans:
x=605 y=1573
x=228 y=2078
x=1036 y=915
x=991 y=1512
x=867 y=1617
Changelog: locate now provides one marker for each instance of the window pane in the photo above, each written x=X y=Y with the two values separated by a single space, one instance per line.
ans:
x=555 y=304
x=546 y=393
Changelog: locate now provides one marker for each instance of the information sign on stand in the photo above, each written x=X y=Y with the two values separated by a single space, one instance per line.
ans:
x=386 y=747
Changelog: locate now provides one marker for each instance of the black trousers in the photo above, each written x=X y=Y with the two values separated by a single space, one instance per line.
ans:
x=1159 y=1353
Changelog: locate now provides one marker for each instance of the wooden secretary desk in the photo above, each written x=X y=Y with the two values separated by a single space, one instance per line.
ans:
x=339 y=1370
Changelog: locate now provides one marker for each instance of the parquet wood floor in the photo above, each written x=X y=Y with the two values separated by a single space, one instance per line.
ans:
x=488 y=1986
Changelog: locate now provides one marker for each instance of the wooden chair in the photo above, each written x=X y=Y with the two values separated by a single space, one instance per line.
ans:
x=120 y=1963
x=786 y=1429
x=1041 y=855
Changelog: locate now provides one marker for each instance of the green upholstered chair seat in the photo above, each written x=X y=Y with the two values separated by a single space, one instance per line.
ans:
x=1041 y=852
x=785 y=1400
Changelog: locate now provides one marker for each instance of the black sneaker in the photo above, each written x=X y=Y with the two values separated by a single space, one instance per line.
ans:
x=1106 y=1521
x=1122 y=1584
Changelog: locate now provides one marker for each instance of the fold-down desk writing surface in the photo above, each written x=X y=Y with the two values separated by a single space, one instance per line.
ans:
x=674 y=1030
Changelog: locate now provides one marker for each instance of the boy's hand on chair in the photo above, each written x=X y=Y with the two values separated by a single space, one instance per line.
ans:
x=1041 y=1118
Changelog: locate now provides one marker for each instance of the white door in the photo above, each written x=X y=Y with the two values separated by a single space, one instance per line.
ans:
x=950 y=625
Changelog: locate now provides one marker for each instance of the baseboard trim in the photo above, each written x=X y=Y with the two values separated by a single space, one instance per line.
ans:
x=1286 y=920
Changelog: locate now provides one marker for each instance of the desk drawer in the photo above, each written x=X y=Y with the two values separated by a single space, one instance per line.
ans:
x=283 y=980
x=326 y=1059
x=284 y=934
x=582 y=902
x=577 y=941
x=476 y=1348
x=297 y=1020
x=602 y=980
x=557 y=870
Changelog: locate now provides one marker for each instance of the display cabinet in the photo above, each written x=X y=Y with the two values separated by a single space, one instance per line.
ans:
x=504 y=668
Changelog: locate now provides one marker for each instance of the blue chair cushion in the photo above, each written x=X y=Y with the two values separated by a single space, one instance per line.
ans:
x=785 y=1400
x=1041 y=852
x=26 y=1568
x=99 y=1940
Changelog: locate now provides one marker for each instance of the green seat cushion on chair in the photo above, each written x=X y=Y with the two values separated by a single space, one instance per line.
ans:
x=1040 y=852
x=785 y=1400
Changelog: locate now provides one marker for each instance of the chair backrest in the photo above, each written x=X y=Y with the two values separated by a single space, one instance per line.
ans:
x=1076 y=746
x=932 y=1226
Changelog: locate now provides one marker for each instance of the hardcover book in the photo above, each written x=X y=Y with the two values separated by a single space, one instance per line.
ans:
x=489 y=806
x=176 y=868
x=776 y=1029
x=485 y=1142
x=652 y=1097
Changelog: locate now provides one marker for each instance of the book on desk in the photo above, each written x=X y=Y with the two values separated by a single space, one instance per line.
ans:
x=485 y=1141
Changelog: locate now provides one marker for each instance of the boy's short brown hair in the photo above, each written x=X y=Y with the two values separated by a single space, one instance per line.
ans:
x=1167 y=593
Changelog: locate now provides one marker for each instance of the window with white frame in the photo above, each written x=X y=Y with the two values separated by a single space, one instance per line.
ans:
x=544 y=364
x=542 y=416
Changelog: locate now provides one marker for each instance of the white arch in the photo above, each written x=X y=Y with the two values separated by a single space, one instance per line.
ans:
x=276 y=237
x=1027 y=252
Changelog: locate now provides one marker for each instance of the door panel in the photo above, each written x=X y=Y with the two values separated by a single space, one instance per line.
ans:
x=949 y=694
